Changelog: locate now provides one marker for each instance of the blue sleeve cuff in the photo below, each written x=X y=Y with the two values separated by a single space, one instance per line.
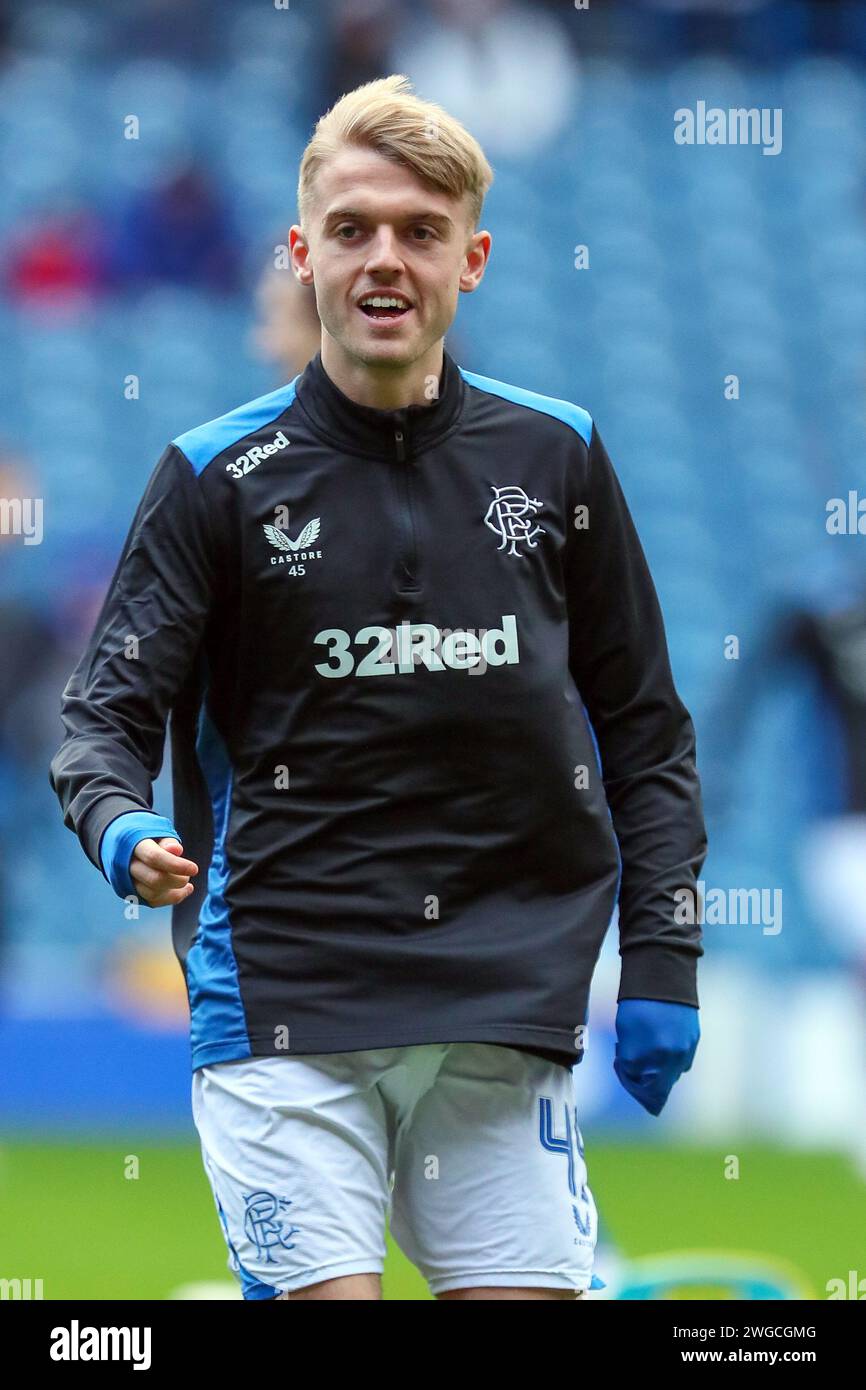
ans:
x=119 y=840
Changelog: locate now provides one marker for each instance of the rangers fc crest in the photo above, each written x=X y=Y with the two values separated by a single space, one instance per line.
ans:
x=511 y=515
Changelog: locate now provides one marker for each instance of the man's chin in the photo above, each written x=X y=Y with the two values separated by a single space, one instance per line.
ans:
x=383 y=351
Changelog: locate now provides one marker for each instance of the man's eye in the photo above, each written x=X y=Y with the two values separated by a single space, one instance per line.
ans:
x=427 y=232
x=347 y=227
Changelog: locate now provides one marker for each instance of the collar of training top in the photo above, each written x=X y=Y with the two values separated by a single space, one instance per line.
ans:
x=362 y=429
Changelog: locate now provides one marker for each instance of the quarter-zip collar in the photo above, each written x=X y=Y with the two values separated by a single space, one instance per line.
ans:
x=363 y=429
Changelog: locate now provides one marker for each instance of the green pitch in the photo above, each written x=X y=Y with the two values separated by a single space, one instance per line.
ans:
x=71 y=1216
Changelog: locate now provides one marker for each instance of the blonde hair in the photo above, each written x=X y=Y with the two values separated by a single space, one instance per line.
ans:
x=387 y=117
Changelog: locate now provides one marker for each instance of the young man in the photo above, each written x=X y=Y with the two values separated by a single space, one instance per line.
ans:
x=424 y=735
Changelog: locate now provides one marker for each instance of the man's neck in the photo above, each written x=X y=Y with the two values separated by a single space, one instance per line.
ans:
x=385 y=387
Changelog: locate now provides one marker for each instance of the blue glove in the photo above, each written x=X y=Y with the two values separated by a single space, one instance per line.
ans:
x=656 y=1042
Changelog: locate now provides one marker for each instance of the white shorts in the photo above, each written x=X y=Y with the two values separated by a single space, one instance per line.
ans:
x=471 y=1150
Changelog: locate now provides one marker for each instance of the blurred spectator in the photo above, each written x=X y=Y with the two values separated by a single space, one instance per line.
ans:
x=30 y=681
x=759 y=29
x=5 y=29
x=164 y=29
x=361 y=38
x=502 y=67
x=180 y=232
x=27 y=732
x=58 y=260
x=833 y=639
x=834 y=848
x=287 y=331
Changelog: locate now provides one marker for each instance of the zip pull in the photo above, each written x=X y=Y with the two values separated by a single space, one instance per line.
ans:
x=401 y=447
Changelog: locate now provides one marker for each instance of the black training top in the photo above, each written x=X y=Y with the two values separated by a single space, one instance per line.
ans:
x=424 y=730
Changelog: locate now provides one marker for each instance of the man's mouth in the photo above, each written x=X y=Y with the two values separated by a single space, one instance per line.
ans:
x=384 y=306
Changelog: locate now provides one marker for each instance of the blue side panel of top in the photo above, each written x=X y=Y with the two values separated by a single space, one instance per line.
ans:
x=570 y=414
x=206 y=441
x=218 y=1027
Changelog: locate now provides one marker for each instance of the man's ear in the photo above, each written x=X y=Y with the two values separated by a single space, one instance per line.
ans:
x=477 y=256
x=299 y=252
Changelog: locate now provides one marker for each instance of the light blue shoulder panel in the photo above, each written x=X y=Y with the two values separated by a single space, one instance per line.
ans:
x=570 y=414
x=206 y=441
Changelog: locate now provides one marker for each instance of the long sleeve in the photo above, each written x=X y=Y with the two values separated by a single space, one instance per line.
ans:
x=619 y=662
x=116 y=703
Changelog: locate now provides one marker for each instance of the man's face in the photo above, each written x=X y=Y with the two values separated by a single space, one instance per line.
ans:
x=375 y=227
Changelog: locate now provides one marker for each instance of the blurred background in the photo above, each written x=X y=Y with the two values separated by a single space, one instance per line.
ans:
x=707 y=305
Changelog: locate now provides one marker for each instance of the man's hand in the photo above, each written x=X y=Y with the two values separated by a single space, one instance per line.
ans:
x=160 y=873
x=656 y=1042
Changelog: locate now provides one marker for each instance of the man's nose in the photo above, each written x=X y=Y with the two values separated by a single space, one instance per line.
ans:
x=384 y=252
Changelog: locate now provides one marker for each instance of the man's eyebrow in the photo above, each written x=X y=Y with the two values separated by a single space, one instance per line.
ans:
x=439 y=219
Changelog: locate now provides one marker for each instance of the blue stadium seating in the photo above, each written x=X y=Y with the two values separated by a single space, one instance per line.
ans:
x=704 y=262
